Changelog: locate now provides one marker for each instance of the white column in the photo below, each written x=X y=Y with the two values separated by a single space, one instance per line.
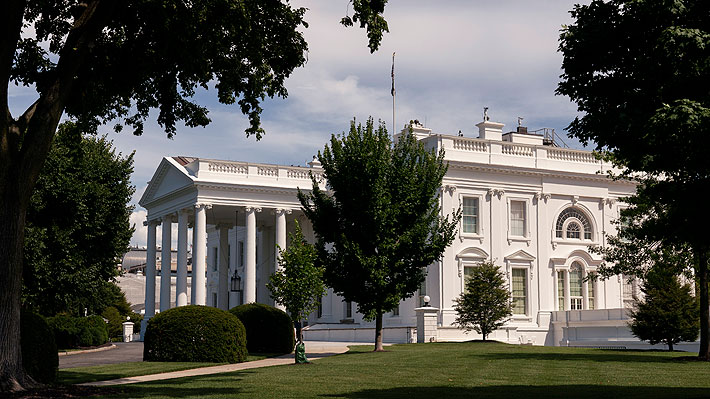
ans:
x=199 y=265
x=166 y=260
x=194 y=245
x=280 y=242
x=250 y=267
x=149 y=276
x=181 y=284
x=567 y=299
x=223 y=274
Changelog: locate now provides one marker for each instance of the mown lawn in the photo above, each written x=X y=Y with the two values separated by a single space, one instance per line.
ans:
x=455 y=370
x=78 y=375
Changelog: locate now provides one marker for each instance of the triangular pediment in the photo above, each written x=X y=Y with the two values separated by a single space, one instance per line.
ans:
x=168 y=178
x=520 y=255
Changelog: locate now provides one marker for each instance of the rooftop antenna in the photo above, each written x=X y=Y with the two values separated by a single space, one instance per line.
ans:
x=485 y=114
x=394 y=124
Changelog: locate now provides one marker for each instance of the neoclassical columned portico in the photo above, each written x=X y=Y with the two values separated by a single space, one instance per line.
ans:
x=240 y=216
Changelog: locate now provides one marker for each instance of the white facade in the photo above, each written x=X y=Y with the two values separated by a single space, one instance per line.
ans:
x=532 y=208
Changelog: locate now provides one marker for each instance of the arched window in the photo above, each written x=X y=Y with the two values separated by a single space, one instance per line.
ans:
x=573 y=224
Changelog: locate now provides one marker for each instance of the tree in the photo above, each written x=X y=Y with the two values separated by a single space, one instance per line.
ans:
x=102 y=61
x=77 y=226
x=668 y=312
x=639 y=74
x=485 y=304
x=299 y=284
x=378 y=225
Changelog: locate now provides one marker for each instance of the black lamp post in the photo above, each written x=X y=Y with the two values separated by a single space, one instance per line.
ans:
x=237 y=286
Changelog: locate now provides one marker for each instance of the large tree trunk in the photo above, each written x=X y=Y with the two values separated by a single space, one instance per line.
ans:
x=704 y=352
x=12 y=214
x=378 y=333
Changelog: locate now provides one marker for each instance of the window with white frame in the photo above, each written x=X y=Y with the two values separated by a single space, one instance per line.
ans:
x=573 y=224
x=520 y=291
x=560 y=290
x=241 y=253
x=575 y=286
x=348 y=309
x=518 y=218
x=470 y=215
x=395 y=311
x=591 y=288
x=467 y=273
x=215 y=258
x=422 y=293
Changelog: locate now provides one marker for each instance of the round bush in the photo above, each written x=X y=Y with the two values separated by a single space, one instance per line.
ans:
x=39 y=351
x=269 y=330
x=93 y=331
x=195 y=334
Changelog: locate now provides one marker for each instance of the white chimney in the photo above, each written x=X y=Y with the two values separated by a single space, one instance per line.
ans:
x=488 y=130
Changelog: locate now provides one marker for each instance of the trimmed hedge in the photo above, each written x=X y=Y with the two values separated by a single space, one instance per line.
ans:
x=76 y=332
x=195 y=334
x=269 y=330
x=39 y=351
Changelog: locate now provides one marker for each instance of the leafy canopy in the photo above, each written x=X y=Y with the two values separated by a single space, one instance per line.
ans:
x=378 y=225
x=78 y=226
x=485 y=304
x=299 y=283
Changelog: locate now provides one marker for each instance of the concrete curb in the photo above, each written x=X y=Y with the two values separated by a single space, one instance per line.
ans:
x=101 y=349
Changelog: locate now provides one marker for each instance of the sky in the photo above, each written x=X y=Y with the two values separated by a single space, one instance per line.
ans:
x=453 y=58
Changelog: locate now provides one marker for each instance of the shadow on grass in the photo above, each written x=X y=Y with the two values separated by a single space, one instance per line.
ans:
x=523 y=391
x=217 y=385
x=68 y=377
x=591 y=356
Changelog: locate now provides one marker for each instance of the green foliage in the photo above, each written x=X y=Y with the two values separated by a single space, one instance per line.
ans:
x=380 y=228
x=75 y=332
x=668 y=312
x=115 y=322
x=39 y=351
x=369 y=14
x=299 y=283
x=78 y=226
x=268 y=329
x=485 y=304
x=639 y=73
x=195 y=334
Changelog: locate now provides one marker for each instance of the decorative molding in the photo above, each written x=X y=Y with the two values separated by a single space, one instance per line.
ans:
x=610 y=201
x=252 y=209
x=496 y=191
x=202 y=204
x=281 y=211
x=543 y=196
x=450 y=189
x=575 y=199
x=554 y=245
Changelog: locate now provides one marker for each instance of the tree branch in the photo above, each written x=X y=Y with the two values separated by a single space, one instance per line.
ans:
x=43 y=117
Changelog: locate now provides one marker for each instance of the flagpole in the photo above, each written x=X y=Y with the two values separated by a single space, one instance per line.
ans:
x=394 y=125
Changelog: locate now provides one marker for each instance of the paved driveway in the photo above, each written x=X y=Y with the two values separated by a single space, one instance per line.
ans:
x=122 y=353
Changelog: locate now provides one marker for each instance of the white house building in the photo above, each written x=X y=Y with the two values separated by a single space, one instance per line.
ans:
x=531 y=207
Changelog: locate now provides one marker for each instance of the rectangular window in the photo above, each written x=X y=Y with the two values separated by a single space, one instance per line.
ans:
x=241 y=253
x=348 y=310
x=470 y=215
x=520 y=291
x=467 y=273
x=591 y=287
x=517 y=218
x=320 y=306
x=395 y=311
x=215 y=258
x=560 y=290
x=214 y=299
x=229 y=256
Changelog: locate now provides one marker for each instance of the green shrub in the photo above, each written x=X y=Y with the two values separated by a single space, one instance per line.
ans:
x=269 y=330
x=195 y=334
x=39 y=350
x=115 y=320
x=74 y=332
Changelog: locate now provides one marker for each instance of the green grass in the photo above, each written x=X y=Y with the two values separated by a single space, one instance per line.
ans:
x=454 y=370
x=79 y=375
